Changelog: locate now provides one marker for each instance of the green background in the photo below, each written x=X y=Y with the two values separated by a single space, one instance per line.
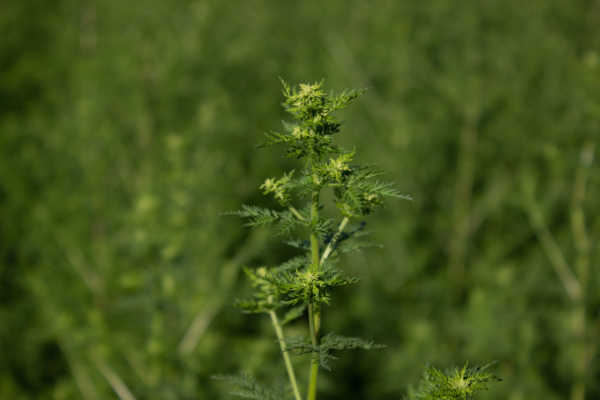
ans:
x=128 y=128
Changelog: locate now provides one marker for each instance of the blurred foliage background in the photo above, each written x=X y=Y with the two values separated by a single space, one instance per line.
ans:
x=127 y=128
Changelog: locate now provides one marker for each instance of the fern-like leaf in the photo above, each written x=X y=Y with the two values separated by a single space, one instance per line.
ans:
x=333 y=342
x=246 y=387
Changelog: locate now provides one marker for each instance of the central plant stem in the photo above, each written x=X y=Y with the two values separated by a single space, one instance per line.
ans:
x=314 y=315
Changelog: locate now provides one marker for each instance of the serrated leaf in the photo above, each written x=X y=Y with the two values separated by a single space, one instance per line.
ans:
x=257 y=216
x=246 y=387
x=293 y=313
x=333 y=342
x=292 y=264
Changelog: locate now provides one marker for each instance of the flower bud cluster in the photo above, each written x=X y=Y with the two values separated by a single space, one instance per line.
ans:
x=279 y=188
x=337 y=169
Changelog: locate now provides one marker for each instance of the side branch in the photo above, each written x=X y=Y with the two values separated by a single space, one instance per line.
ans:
x=333 y=240
x=297 y=214
x=284 y=352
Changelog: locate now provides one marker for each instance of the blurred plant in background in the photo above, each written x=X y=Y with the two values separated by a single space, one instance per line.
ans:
x=126 y=130
x=458 y=384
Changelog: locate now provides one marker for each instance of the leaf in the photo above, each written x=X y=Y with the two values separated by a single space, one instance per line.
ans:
x=307 y=286
x=246 y=387
x=298 y=243
x=257 y=216
x=285 y=220
x=329 y=343
x=292 y=264
x=332 y=341
x=293 y=313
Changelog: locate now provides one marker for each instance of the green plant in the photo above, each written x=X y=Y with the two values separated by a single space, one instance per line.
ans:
x=303 y=285
x=457 y=384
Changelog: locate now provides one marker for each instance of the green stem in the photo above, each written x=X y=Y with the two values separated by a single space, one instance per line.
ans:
x=285 y=354
x=582 y=265
x=314 y=362
x=314 y=240
x=296 y=213
x=314 y=317
x=335 y=238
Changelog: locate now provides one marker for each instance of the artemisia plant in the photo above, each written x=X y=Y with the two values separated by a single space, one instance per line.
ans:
x=302 y=286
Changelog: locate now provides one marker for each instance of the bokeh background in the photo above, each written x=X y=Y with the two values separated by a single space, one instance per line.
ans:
x=127 y=128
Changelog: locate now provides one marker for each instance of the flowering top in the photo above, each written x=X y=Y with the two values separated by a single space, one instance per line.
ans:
x=309 y=279
x=312 y=108
x=310 y=137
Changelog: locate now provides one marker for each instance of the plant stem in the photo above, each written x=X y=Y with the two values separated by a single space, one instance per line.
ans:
x=314 y=248
x=582 y=265
x=314 y=317
x=296 y=213
x=286 y=356
x=334 y=239
x=314 y=362
x=314 y=240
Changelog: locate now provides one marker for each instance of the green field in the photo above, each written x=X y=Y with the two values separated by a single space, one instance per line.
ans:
x=127 y=131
